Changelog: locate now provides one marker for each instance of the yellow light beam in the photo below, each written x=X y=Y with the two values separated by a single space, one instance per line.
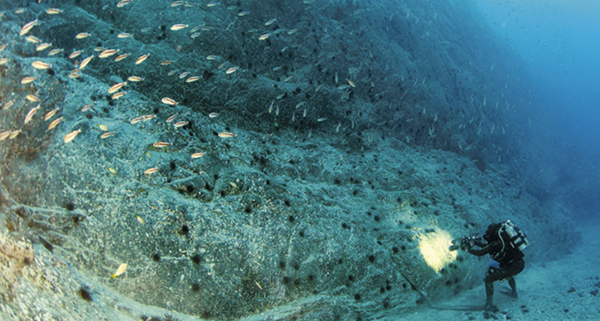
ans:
x=434 y=248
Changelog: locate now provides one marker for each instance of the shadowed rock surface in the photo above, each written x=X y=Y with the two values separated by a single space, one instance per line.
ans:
x=361 y=130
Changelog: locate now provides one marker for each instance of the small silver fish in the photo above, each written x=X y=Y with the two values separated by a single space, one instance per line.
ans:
x=170 y=119
x=107 y=53
x=50 y=114
x=54 y=52
x=82 y=35
x=169 y=101
x=70 y=136
x=180 y=124
x=123 y=3
x=121 y=57
x=226 y=135
x=27 y=27
x=54 y=123
x=141 y=59
x=76 y=53
x=53 y=11
x=43 y=46
x=40 y=65
x=30 y=114
x=114 y=88
x=106 y=135
x=135 y=79
x=178 y=26
x=85 y=62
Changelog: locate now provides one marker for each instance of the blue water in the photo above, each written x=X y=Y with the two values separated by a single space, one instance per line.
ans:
x=559 y=42
x=331 y=134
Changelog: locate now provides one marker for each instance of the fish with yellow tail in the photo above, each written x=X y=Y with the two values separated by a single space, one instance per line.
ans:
x=122 y=268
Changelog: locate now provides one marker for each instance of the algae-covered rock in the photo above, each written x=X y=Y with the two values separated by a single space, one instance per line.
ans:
x=269 y=160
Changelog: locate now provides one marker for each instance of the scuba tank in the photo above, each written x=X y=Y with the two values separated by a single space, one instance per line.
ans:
x=517 y=238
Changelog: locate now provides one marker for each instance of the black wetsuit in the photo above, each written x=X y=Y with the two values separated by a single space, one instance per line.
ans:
x=511 y=263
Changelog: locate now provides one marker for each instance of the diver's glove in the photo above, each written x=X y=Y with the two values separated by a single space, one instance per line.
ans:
x=465 y=246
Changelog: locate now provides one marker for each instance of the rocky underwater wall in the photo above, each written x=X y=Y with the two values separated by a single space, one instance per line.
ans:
x=259 y=159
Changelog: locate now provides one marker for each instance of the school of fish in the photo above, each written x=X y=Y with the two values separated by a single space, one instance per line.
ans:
x=117 y=89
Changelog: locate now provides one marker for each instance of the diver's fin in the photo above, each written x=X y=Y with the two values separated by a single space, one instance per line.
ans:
x=508 y=293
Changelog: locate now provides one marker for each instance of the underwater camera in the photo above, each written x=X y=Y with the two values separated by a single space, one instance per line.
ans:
x=464 y=242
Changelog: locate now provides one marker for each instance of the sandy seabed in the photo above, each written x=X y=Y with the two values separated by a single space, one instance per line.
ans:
x=565 y=289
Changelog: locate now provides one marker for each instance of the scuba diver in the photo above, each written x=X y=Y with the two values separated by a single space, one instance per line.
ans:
x=505 y=243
